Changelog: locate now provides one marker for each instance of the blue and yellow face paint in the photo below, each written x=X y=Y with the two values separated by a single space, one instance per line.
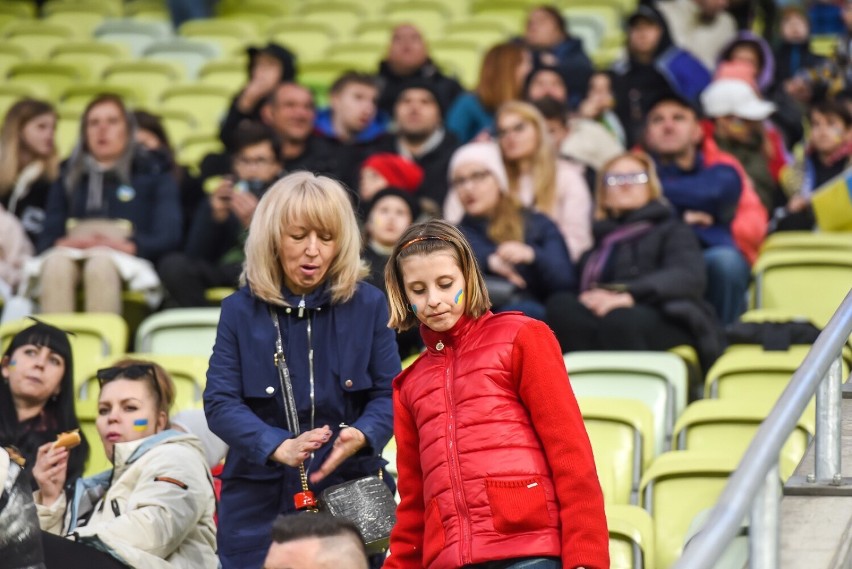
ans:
x=12 y=364
x=459 y=296
x=414 y=309
x=140 y=425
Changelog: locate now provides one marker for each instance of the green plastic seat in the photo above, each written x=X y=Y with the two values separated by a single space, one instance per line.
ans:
x=149 y=79
x=810 y=240
x=53 y=77
x=180 y=331
x=206 y=103
x=622 y=435
x=677 y=486
x=657 y=379
x=631 y=537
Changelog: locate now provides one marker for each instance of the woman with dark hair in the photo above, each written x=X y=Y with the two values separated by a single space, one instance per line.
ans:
x=37 y=394
x=28 y=162
x=127 y=212
x=501 y=78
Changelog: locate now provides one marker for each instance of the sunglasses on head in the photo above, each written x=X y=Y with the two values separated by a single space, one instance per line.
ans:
x=132 y=372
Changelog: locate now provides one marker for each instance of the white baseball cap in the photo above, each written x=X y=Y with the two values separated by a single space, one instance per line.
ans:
x=725 y=97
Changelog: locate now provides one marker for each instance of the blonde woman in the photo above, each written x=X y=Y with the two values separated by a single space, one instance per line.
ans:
x=28 y=162
x=303 y=269
x=538 y=178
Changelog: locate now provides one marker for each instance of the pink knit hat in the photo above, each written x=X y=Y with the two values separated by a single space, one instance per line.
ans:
x=486 y=154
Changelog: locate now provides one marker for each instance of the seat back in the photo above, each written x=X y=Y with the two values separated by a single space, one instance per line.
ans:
x=188 y=331
x=189 y=54
x=678 y=485
x=206 y=103
x=622 y=435
x=809 y=282
x=135 y=35
x=148 y=78
x=631 y=537
x=657 y=379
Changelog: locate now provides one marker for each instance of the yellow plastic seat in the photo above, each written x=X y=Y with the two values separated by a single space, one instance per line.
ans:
x=20 y=10
x=67 y=130
x=657 y=379
x=96 y=335
x=366 y=54
x=48 y=77
x=11 y=54
x=60 y=8
x=90 y=57
x=179 y=331
x=343 y=16
x=189 y=54
x=147 y=10
x=809 y=282
x=242 y=32
x=464 y=57
x=729 y=425
x=622 y=435
x=631 y=537
x=309 y=39
x=82 y=21
x=189 y=373
x=230 y=73
x=148 y=78
x=676 y=487
x=38 y=38
x=179 y=124
x=216 y=295
x=377 y=30
x=192 y=150
x=483 y=31
x=320 y=74
x=206 y=103
x=76 y=97
x=429 y=16
x=250 y=9
x=808 y=240
x=134 y=34
x=513 y=15
x=11 y=93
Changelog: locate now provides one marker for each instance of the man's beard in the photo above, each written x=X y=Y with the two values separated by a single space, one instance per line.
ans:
x=416 y=137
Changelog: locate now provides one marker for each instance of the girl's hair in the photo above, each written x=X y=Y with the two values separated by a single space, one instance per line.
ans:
x=58 y=410
x=425 y=238
x=319 y=203
x=655 y=188
x=11 y=143
x=543 y=168
x=497 y=81
x=164 y=391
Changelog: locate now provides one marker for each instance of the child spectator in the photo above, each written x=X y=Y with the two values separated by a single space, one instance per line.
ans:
x=387 y=170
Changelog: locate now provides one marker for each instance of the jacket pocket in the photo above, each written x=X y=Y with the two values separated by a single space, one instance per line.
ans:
x=433 y=534
x=265 y=402
x=517 y=506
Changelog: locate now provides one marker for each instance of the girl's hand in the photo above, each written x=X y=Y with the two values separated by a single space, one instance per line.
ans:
x=294 y=452
x=516 y=253
x=349 y=441
x=50 y=471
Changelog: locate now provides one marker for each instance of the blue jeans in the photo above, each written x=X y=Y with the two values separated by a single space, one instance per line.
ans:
x=728 y=275
x=525 y=563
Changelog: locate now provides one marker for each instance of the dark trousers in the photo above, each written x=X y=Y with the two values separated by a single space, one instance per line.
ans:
x=637 y=328
x=186 y=279
x=62 y=553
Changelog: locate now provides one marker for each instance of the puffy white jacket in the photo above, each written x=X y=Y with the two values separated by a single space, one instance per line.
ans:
x=153 y=510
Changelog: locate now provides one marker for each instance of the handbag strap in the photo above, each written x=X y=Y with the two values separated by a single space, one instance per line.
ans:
x=287 y=396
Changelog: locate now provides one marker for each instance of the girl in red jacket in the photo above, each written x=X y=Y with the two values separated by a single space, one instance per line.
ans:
x=495 y=466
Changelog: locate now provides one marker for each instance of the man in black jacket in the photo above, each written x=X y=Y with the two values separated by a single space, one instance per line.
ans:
x=421 y=136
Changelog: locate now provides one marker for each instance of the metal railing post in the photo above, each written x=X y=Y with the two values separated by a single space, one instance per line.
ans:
x=763 y=532
x=827 y=443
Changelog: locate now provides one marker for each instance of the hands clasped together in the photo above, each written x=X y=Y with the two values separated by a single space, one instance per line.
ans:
x=293 y=452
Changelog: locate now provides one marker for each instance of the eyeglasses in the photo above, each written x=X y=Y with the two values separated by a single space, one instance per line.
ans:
x=475 y=177
x=132 y=372
x=514 y=129
x=621 y=180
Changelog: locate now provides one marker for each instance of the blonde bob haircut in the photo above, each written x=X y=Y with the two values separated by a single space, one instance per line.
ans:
x=319 y=203
x=434 y=236
x=655 y=188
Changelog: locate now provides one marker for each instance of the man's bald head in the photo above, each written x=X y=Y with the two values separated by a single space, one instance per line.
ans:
x=315 y=541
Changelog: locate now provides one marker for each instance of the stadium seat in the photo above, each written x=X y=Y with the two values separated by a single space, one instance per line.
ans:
x=808 y=282
x=190 y=55
x=18 y=10
x=37 y=37
x=216 y=295
x=482 y=31
x=136 y=35
x=90 y=57
x=181 y=331
x=366 y=55
x=95 y=335
x=460 y=57
x=212 y=28
x=207 y=103
x=657 y=379
x=342 y=15
x=149 y=79
x=631 y=537
x=81 y=19
x=47 y=77
x=178 y=124
x=67 y=130
x=378 y=31
x=752 y=375
x=76 y=97
x=268 y=8
x=512 y=14
x=622 y=436
x=193 y=149
x=429 y=16
x=808 y=240
x=679 y=485
x=229 y=73
x=729 y=425
x=10 y=54
x=319 y=75
x=308 y=39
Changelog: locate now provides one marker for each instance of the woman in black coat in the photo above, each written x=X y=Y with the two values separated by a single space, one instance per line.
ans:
x=642 y=284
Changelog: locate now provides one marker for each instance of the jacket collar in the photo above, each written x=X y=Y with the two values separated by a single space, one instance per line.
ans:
x=438 y=341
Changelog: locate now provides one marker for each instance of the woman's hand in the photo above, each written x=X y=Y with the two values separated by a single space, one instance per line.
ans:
x=294 y=452
x=601 y=302
x=349 y=441
x=516 y=253
x=50 y=471
x=499 y=266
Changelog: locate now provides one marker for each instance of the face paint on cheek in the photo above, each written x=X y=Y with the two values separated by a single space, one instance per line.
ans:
x=12 y=364
x=459 y=296
x=414 y=309
x=140 y=425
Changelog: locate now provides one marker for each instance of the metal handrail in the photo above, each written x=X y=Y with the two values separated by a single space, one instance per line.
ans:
x=749 y=479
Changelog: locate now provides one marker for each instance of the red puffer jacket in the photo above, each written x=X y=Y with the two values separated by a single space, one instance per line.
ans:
x=494 y=461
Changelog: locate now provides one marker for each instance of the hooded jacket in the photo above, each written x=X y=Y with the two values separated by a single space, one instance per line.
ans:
x=153 y=510
x=494 y=461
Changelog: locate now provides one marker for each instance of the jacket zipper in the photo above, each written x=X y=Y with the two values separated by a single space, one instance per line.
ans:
x=455 y=475
x=310 y=365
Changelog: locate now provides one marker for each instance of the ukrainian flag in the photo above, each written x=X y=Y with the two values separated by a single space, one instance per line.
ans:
x=832 y=203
